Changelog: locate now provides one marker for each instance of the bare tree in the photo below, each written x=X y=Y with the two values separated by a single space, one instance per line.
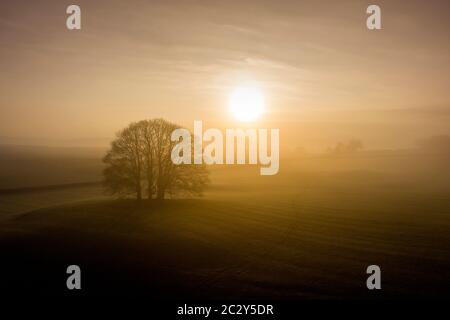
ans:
x=140 y=159
x=123 y=173
x=148 y=145
x=436 y=144
x=349 y=147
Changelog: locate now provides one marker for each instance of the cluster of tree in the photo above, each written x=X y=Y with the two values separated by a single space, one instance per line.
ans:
x=437 y=144
x=139 y=163
x=346 y=147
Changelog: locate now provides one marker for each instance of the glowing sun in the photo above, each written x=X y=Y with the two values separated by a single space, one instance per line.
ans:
x=246 y=103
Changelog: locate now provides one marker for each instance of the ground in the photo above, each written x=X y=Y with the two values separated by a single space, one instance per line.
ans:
x=302 y=235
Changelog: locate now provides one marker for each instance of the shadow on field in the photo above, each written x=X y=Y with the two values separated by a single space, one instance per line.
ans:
x=187 y=249
x=111 y=241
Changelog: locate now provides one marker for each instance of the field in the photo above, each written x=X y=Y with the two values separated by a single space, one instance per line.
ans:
x=309 y=232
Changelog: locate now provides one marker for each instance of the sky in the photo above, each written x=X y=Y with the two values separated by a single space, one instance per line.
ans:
x=325 y=76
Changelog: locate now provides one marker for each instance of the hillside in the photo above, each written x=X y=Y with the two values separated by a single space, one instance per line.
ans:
x=301 y=235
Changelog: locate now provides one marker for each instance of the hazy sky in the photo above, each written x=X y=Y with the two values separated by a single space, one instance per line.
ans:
x=325 y=76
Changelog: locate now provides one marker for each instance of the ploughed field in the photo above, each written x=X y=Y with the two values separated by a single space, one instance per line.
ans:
x=301 y=234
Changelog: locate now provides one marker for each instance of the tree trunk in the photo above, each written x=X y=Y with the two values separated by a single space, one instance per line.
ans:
x=138 y=191
x=159 y=183
x=150 y=179
x=160 y=191
x=150 y=185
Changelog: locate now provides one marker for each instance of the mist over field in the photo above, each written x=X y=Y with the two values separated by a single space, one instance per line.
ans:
x=308 y=232
x=99 y=149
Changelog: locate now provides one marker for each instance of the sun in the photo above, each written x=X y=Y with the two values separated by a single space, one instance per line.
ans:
x=246 y=103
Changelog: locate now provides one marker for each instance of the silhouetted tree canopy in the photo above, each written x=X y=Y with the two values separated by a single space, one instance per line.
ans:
x=139 y=163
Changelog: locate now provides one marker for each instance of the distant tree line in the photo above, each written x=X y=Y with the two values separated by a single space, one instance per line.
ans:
x=139 y=164
x=346 y=147
x=436 y=144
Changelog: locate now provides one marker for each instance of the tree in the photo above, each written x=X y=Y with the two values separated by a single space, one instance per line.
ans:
x=436 y=144
x=349 y=147
x=124 y=163
x=139 y=162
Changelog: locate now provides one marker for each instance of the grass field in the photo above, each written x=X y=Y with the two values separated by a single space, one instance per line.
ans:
x=305 y=233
